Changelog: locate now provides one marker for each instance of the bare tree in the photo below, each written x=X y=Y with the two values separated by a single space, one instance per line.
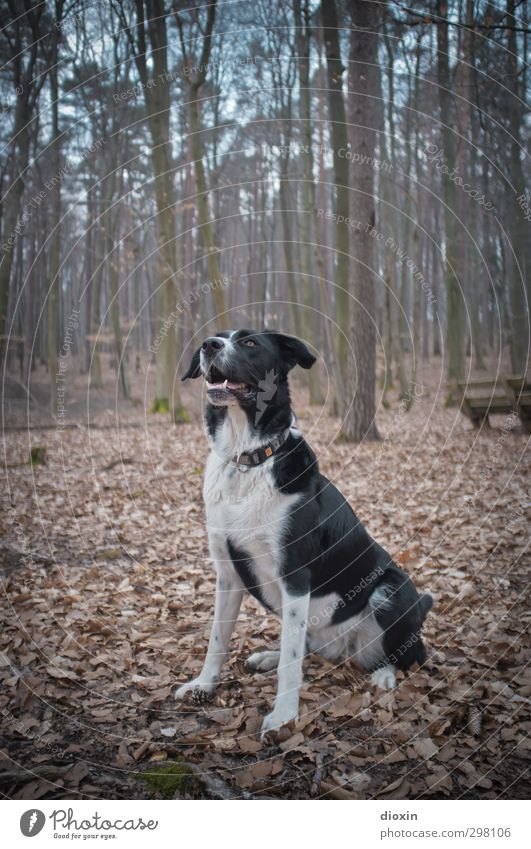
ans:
x=454 y=292
x=148 y=40
x=309 y=289
x=360 y=421
x=54 y=262
x=194 y=85
x=519 y=251
x=338 y=132
x=23 y=29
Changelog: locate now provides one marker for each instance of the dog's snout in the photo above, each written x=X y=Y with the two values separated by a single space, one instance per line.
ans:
x=213 y=343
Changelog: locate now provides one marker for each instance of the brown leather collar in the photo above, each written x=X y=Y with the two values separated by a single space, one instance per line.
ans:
x=247 y=459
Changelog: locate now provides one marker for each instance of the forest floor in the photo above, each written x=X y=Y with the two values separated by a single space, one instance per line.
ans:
x=108 y=596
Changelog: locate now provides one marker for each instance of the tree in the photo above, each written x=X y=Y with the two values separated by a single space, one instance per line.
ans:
x=360 y=421
x=308 y=285
x=519 y=249
x=194 y=85
x=23 y=32
x=395 y=351
x=54 y=263
x=454 y=294
x=338 y=133
x=148 y=40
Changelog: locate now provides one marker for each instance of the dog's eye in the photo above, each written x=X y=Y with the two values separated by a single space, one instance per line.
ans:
x=250 y=343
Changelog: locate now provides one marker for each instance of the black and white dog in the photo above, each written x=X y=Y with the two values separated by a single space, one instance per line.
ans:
x=282 y=531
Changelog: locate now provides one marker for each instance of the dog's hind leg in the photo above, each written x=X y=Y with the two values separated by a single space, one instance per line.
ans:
x=262 y=661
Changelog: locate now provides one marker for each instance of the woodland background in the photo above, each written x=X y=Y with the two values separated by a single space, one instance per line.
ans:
x=356 y=173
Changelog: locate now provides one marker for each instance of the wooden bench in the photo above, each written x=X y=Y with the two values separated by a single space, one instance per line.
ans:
x=511 y=394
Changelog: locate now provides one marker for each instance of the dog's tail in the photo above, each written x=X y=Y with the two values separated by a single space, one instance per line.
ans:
x=425 y=604
x=413 y=650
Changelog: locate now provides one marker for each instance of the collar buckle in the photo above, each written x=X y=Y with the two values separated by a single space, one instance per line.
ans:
x=243 y=462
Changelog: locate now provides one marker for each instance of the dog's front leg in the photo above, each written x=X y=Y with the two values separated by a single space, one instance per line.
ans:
x=292 y=647
x=229 y=594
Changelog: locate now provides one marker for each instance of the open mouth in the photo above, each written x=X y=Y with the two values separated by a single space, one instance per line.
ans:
x=216 y=381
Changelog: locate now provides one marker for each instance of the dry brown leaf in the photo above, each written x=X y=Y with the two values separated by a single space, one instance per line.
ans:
x=248 y=744
x=292 y=742
x=63 y=674
x=137 y=754
x=334 y=791
x=261 y=769
x=425 y=747
x=389 y=788
x=439 y=781
x=76 y=774
x=357 y=781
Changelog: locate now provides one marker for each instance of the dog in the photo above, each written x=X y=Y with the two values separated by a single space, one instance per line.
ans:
x=280 y=530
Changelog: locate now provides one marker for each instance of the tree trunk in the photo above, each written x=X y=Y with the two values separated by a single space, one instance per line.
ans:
x=519 y=250
x=112 y=263
x=287 y=236
x=338 y=132
x=417 y=237
x=360 y=422
x=54 y=260
x=211 y=250
x=196 y=144
x=309 y=290
x=454 y=296
x=95 y=375
x=396 y=352
x=25 y=38
x=152 y=22
x=320 y=253
x=11 y=205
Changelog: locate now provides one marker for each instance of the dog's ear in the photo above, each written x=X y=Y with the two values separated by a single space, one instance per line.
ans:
x=194 y=369
x=294 y=352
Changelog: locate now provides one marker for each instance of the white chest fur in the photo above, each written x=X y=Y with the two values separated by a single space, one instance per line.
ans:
x=246 y=507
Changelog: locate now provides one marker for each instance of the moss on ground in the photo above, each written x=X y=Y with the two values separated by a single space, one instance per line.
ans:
x=170 y=778
x=160 y=405
x=180 y=416
x=38 y=455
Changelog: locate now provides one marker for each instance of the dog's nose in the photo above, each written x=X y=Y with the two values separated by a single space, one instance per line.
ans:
x=213 y=343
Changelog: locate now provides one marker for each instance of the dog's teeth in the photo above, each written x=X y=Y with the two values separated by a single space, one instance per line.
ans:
x=225 y=384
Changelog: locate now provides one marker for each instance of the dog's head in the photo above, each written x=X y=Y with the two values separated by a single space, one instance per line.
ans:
x=247 y=367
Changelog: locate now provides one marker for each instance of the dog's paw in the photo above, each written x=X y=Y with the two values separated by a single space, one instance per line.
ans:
x=262 y=661
x=278 y=717
x=201 y=692
x=384 y=677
